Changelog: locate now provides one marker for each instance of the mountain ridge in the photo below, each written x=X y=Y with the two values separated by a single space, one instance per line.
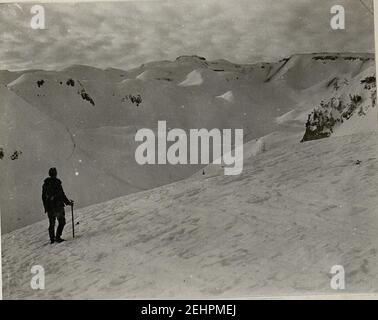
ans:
x=95 y=105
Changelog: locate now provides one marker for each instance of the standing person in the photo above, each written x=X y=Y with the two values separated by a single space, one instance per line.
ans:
x=54 y=200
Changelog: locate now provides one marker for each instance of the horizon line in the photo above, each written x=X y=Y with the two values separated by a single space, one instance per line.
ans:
x=190 y=55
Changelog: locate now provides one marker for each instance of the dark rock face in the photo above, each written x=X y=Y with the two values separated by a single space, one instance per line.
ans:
x=322 y=121
x=70 y=82
x=40 y=83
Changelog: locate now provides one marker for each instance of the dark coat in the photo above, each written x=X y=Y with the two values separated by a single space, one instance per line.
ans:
x=53 y=196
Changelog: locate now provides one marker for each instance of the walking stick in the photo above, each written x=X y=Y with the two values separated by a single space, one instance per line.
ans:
x=73 y=223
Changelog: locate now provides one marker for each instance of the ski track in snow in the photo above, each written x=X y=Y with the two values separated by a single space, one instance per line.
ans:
x=277 y=228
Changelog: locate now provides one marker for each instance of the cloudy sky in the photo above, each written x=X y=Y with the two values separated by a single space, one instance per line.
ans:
x=127 y=34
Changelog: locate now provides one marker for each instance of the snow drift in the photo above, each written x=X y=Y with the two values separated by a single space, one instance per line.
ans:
x=192 y=79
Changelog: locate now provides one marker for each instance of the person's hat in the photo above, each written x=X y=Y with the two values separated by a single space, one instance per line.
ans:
x=53 y=172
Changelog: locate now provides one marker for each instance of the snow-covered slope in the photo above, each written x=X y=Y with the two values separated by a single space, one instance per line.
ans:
x=31 y=142
x=350 y=108
x=98 y=112
x=278 y=228
x=192 y=79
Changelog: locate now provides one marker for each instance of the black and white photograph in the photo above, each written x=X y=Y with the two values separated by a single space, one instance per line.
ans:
x=188 y=149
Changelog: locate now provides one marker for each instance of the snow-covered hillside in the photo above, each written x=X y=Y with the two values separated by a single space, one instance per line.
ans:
x=297 y=210
x=83 y=119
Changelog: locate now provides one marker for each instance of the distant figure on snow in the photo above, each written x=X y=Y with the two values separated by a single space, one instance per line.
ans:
x=54 y=200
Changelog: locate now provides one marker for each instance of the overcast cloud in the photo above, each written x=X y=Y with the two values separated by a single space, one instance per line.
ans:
x=125 y=35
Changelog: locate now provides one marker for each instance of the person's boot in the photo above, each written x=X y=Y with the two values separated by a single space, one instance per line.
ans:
x=59 y=240
x=52 y=241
